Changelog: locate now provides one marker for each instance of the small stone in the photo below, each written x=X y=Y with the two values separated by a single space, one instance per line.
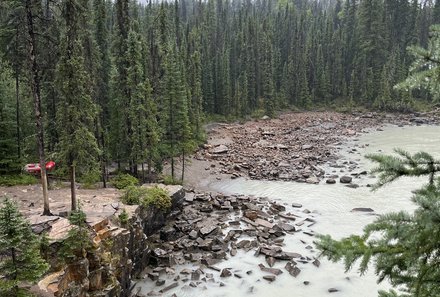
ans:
x=275 y=271
x=345 y=179
x=225 y=273
x=296 y=205
x=153 y=276
x=292 y=269
x=333 y=290
x=195 y=275
x=193 y=234
x=270 y=278
x=172 y=286
x=270 y=261
x=362 y=209
x=316 y=263
x=306 y=283
x=286 y=227
x=330 y=181
x=160 y=282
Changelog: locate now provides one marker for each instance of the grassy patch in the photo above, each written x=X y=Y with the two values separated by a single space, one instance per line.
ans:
x=17 y=180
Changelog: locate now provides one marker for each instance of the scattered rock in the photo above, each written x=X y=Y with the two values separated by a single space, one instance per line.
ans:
x=345 y=179
x=362 y=209
x=269 y=278
x=225 y=273
x=220 y=149
x=167 y=288
x=330 y=181
x=292 y=269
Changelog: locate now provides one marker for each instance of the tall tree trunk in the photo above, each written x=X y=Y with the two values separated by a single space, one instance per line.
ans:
x=143 y=173
x=104 y=174
x=35 y=87
x=183 y=164
x=72 y=187
x=172 y=167
x=17 y=98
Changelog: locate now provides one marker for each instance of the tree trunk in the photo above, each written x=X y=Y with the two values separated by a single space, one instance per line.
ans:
x=72 y=187
x=17 y=98
x=183 y=164
x=104 y=175
x=35 y=87
x=172 y=167
x=143 y=173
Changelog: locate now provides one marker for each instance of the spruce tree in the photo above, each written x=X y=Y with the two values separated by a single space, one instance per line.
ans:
x=9 y=160
x=424 y=70
x=20 y=261
x=78 y=147
x=402 y=245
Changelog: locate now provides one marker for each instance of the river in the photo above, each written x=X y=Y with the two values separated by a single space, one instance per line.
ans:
x=331 y=207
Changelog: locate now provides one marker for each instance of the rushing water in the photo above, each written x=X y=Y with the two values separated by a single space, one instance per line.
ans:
x=332 y=205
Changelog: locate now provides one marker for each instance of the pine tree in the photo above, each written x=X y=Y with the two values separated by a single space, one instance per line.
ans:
x=425 y=68
x=9 y=160
x=177 y=132
x=21 y=261
x=196 y=110
x=78 y=240
x=78 y=146
x=402 y=245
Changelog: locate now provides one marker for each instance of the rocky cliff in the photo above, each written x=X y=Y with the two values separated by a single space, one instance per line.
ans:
x=119 y=254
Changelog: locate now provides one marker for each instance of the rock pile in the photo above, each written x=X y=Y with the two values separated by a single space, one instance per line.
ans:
x=293 y=147
x=212 y=228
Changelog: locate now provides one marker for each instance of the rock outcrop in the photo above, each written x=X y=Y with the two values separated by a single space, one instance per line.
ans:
x=119 y=254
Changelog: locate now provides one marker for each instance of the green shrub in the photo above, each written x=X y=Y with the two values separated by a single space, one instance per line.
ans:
x=90 y=179
x=133 y=195
x=123 y=217
x=17 y=179
x=169 y=180
x=153 y=196
x=123 y=180
x=157 y=197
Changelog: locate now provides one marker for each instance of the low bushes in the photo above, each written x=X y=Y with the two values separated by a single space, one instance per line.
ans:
x=123 y=181
x=153 y=196
x=17 y=180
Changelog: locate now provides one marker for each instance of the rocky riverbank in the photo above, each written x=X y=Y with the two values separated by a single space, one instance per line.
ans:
x=213 y=228
x=292 y=147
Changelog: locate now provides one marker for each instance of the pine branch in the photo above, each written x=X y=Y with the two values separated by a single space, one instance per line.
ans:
x=392 y=167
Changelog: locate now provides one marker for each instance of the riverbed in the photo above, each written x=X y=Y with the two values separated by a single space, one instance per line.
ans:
x=331 y=207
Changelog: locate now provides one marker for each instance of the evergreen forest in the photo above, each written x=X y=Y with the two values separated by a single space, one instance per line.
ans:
x=89 y=83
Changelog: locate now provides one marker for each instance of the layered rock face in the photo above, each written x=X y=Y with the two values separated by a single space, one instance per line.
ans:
x=119 y=253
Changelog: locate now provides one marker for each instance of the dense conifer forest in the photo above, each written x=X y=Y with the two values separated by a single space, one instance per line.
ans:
x=91 y=82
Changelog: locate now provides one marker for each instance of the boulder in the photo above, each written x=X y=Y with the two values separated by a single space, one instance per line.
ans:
x=275 y=271
x=225 y=273
x=292 y=269
x=330 y=181
x=345 y=179
x=362 y=209
x=269 y=278
x=220 y=149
